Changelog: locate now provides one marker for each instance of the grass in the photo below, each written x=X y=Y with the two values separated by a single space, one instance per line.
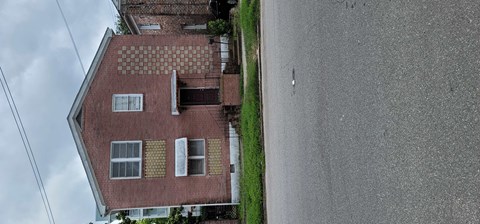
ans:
x=249 y=16
x=253 y=155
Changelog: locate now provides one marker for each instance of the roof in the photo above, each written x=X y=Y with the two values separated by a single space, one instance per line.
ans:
x=76 y=128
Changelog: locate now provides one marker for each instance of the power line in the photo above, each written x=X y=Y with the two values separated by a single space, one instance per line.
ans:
x=27 y=146
x=71 y=37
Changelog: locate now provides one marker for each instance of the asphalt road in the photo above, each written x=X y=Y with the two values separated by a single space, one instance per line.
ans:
x=382 y=125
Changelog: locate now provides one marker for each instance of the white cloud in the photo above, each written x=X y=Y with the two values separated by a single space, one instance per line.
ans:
x=23 y=8
x=68 y=189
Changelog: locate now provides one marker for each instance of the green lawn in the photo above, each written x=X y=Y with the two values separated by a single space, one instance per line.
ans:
x=253 y=155
x=249 y=17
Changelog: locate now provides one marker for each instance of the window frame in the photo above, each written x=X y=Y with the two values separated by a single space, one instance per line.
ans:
x=120 y=160
x=149 y=26
x=162 y=215
x=196 y=157
x=115 y=96
x=195 y=26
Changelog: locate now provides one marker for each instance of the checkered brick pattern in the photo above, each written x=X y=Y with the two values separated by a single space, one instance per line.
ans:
x=215 y=157
x=158 y=60
x=155 y=161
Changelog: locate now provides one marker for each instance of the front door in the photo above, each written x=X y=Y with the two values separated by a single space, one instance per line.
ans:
x=199 y=97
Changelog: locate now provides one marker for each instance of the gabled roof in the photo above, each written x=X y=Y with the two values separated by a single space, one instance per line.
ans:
x=74 y=119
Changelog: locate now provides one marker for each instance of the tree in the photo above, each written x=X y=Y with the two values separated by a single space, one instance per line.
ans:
x=122 y=216
x=121 y=26
x=218 y=27
x=176 y=217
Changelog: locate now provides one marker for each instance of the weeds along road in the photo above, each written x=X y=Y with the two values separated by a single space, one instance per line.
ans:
x=383 y=123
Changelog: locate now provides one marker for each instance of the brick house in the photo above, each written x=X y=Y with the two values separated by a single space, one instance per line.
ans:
x=150 y=126
x=165 y=16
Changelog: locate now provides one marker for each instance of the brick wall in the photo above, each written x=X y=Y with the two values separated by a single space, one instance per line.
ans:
x=171 y=15
x=172 y=24
x=166 y=7
x=154 y=124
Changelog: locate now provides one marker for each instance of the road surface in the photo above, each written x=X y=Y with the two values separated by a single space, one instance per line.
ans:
x=382 y=124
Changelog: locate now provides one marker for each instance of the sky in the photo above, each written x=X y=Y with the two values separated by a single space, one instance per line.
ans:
x=44 y=75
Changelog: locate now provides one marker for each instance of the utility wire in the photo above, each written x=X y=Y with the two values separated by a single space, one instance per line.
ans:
x=27 y=146
x=71 y=36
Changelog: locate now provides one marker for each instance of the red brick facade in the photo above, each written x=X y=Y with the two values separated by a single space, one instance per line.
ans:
x=173 y=16
x=143 y=65
x=166 y=7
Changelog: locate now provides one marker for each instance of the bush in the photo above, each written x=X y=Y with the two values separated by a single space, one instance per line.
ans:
x=219 y=27
x=121 y=26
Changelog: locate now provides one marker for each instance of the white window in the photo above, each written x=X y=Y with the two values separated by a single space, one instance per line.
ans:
x=189 y=157
x=196 y=157
x=133 y=213
x=126 y=159
x=156 y=212
x=127 y=102
x=151 y=26
x=195 y=26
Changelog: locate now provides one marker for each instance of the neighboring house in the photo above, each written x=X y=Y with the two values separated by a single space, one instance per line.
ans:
x=165 y=16
x=150 y=126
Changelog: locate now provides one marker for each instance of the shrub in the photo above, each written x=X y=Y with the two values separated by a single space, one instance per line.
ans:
x=121 y=27
x=219 y=27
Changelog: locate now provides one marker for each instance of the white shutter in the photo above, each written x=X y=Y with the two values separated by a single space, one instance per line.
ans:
x=181 y=154
x=174 y=93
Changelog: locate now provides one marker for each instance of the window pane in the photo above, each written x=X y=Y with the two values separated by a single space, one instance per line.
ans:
x=136 y=169
x=136 y=150
x=195 y=166
x=130 y=150
x=134 y=213
x=195 y=148
x=125 y=169
x=125 y=150
x=156 y=212
x=121 y=102
x=122 y=150
x=129 y=169
x=133 y=169
x=122 y=168
x=149 y=26
x=133 y=150
x=134 y=103
x=115 y=170
x=163 y=212
x=115 y=151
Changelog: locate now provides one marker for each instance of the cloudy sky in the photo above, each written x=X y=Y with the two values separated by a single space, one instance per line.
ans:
x=44 y=75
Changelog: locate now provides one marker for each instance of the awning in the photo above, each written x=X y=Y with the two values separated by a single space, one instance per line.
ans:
x=181 y=154
x=174 y=93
